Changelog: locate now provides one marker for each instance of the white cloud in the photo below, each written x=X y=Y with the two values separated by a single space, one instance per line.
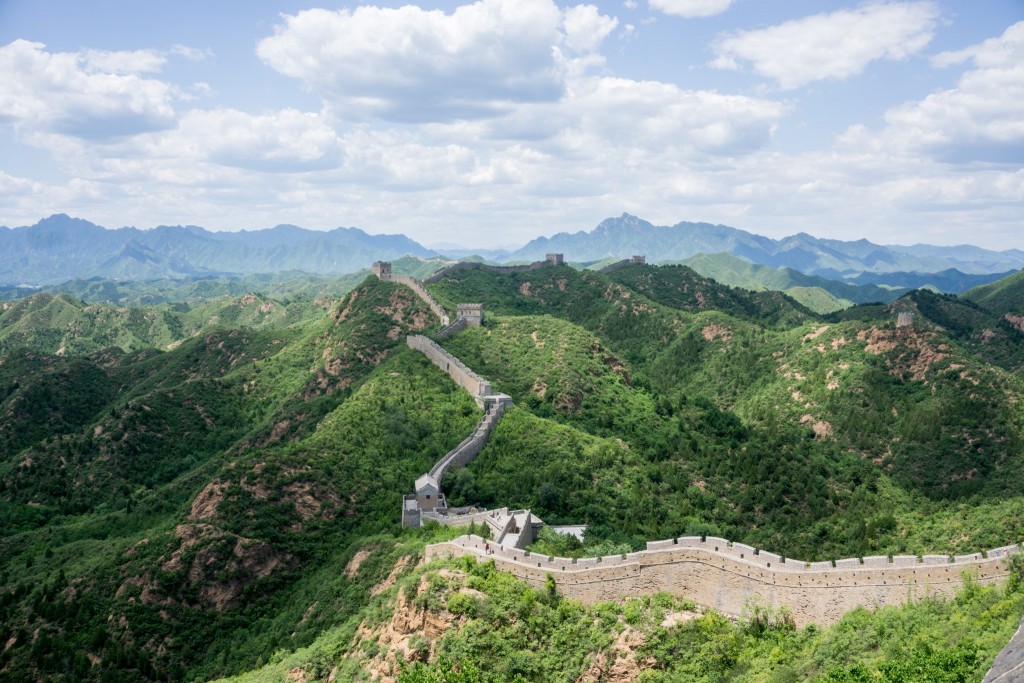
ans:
x=283 y=141
x=193 y=54
x=834 y=45
x=982 y=118
x=93 y=94
x=413 y=65
x=586 y=28
x=691 y=8
x=979 y=120
x=618 y=112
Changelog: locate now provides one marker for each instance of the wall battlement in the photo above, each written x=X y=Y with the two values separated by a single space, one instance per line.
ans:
x=635 y=260
x=460 y=374
x=469 y=265
x=726 y=576
x=421 y=506
x=712 y=571
x=421 y=291
x=463 y=454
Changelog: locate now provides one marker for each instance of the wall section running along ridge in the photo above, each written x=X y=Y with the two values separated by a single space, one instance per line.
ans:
x=728 y=577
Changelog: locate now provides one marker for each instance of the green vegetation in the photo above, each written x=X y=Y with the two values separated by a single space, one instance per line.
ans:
x=1001 y=297
x=826 y=295
x=185 y=488
x=65 y=326
x=500 y=629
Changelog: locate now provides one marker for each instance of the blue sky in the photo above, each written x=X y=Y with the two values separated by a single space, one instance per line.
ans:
x=493 y=122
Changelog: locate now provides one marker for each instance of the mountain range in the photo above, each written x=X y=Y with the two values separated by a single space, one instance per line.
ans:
x=834 y=259
x=61 y=248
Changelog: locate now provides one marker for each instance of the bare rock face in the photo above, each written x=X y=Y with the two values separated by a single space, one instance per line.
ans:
x=410 y=634
x=217 y=563
x=622 y=665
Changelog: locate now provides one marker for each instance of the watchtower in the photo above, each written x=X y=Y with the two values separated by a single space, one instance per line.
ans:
x=554 y=259
x=905 y=319
x=638 y=260
x=472 y=313
x=382 y=269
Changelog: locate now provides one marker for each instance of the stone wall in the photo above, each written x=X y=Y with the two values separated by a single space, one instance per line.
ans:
x=612 y=267
x=463 y=454
x=457 y=326
x=728 y=576
x=421 y=291
x=469 y=265
x=462 y=375
x=465 y=519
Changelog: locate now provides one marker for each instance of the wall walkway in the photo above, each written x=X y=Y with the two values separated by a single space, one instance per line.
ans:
x=726 y=576
x=460 y=456
x=421 y=291
x=456 y=369
x=463 y=454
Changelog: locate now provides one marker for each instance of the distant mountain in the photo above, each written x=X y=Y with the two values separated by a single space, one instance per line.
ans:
x=626 y=235
x=950 y=281
x=60 y=248
x=830 y=294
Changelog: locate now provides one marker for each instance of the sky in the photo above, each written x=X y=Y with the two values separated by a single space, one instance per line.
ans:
x=487 y=124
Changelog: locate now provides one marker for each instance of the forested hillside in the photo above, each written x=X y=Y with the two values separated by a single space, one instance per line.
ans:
x=201 y=499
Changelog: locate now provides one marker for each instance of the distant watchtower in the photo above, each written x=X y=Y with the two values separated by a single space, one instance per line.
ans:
x=382 y=269
x=554 y=259
x=638 y=260
x=905 y=319
x=473 y=314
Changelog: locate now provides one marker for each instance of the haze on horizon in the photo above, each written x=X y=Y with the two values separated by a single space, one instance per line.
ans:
x=491 y=123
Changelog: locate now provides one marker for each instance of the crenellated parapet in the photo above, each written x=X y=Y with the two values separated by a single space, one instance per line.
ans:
x=456 y=369
x=726 y=576
x=429 y=502
x=550 y=260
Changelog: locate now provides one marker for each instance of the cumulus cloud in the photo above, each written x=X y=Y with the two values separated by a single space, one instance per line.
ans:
x=834 y=45
x=90 y=95
x=586 y=28
x=657 y=116
x=282 y=141
x=413 y=65
x=982 y=118
x=691 y=8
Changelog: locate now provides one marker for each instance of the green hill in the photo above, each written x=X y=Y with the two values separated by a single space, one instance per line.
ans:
x=735 y=272
x=228 y=500
x=1003 y=297
x=62 y=325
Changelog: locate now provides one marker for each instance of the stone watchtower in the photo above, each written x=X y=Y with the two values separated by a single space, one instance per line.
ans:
x=554 y=259
x=905 y=319
x=638 y=260
x=472 y=313
x=382 y=269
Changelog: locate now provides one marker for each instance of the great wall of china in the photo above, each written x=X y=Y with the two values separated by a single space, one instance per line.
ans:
x=713 y=572
x=728 y=576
